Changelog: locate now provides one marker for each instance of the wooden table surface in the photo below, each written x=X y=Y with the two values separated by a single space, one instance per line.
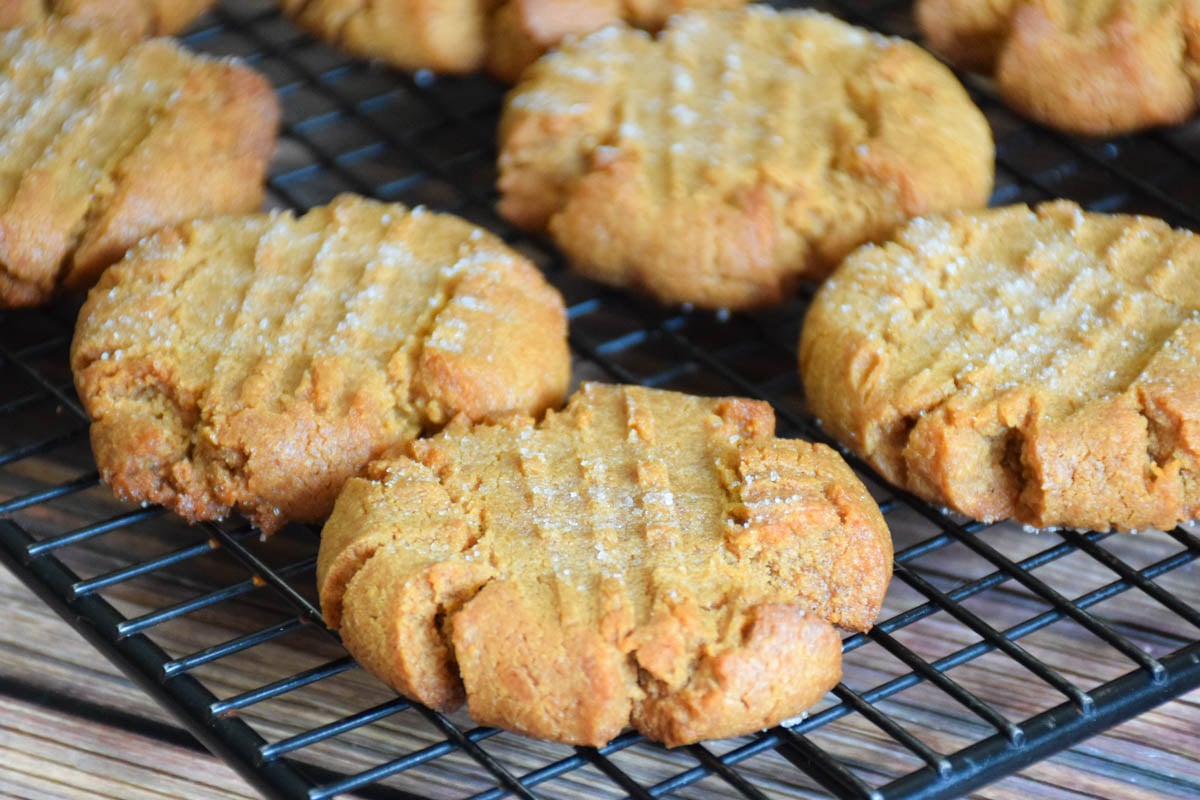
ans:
x=72 y=726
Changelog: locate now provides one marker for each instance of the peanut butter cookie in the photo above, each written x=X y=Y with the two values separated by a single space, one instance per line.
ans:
x=441 y=35
x=1097 y=67
x=257 y=362
x=736 y=153
x=522 y=30
x=104 y=139
x=642 y=557
x=1039 y=365
x=465 y=35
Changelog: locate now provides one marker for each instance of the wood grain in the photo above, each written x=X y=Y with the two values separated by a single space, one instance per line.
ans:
x=48 y=754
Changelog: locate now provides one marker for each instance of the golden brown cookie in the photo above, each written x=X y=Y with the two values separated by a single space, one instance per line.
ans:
x=134 y=17
x=736 y=153
x=968 y=33
x=1039 y=365
x=1097 y=67
x=257 y=362
x=441 y=35
x=103 y=139
x=642 y=557
x=465 y=35
x=521 y=30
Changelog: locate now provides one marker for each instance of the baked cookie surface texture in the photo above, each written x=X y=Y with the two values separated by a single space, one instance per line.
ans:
x=642 y=557
x=1039 y=365
x=522 y=30
x=459 y=36
x=735 y=153
x=1098 y=67
x=105 y=139
x=441 y=35
x=134 y=17
x=256 y=362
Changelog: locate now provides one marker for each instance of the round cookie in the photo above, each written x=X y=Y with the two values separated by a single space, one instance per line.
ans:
x=104 y=139
x=1095 y=68
x=642 y=557
x=1038 y=365
x=256 y=362
x=736 y=153
x=135 y=17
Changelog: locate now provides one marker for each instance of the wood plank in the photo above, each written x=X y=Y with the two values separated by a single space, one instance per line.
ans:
x=51 y=754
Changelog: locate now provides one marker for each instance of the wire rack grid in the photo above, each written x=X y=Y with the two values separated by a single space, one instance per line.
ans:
x=972 y=673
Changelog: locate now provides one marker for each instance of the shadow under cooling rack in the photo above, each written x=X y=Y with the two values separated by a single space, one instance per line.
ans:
x=996 y=647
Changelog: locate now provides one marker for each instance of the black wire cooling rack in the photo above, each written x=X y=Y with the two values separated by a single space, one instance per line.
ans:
x=220 y=626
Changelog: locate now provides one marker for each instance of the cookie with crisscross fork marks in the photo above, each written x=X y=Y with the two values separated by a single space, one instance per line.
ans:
x=135 y=17
x=1034 y=364
x=641 y=557
x=735 y=153
x=103 y=140
x=257 y=362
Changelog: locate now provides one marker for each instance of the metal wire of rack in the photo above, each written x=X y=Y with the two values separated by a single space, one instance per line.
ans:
x=925 y=709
